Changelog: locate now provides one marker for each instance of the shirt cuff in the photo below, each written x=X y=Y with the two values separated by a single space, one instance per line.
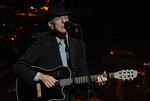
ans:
x=36 y=78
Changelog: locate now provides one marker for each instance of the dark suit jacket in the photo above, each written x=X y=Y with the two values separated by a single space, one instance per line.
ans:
x=44 y=52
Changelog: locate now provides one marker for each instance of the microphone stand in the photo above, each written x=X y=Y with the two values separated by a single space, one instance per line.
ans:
x=90 y=85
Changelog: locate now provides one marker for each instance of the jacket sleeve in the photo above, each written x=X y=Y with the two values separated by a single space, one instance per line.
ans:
x=22 y=67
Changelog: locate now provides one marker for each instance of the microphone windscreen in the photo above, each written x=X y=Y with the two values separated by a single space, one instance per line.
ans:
x=71 y=27
x=68 y=25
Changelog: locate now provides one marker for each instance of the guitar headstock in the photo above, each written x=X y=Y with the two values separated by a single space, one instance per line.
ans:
x=126 y=74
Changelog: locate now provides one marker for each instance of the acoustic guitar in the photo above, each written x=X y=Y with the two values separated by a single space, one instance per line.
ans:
x=39 y=92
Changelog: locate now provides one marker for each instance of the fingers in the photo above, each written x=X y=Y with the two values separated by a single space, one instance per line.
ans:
x=102 y=79
x=49 y=81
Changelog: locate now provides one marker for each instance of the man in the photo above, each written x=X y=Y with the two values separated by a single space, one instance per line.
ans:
x=51 y=52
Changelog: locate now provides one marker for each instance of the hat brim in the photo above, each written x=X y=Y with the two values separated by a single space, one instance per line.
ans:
x=57 y=10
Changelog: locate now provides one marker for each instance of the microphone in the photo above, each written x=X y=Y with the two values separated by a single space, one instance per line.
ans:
x=71 y=27
x=68 y=24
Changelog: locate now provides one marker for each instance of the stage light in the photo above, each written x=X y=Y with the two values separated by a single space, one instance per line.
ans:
x=111 y=52
x=121 y=53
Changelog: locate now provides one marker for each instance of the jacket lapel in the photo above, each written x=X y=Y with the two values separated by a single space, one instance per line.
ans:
x=55 y=48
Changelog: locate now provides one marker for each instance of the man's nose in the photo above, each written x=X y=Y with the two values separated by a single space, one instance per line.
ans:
x=64 y=19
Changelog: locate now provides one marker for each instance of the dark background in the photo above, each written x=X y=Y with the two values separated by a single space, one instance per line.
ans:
x=120 y=26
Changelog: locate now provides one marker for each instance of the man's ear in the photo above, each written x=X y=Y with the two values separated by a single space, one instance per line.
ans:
x=50 y=24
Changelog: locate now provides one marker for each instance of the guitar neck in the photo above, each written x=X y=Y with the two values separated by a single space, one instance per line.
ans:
x=82 y=79
x=62 y=71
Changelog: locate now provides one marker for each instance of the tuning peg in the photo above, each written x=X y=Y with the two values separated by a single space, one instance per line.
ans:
x=123 y=71
x=123 y=79
x=128 y=79
x=132 y=69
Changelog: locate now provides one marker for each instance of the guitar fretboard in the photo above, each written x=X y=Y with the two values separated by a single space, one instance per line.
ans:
x=82 y=79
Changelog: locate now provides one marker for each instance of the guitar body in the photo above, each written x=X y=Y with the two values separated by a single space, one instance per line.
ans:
x=26 y=92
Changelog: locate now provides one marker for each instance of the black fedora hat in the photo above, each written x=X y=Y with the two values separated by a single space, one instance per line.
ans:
x=56 y=10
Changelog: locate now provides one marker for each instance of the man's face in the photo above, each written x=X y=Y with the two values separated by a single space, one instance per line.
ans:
x=58 y=23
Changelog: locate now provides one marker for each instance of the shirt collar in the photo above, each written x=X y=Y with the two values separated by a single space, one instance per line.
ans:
x=60 y=40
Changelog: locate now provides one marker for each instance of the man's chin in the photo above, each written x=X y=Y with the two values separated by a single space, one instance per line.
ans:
x=64 y=31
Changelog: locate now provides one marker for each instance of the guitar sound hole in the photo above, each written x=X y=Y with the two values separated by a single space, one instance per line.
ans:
x=61 y=74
